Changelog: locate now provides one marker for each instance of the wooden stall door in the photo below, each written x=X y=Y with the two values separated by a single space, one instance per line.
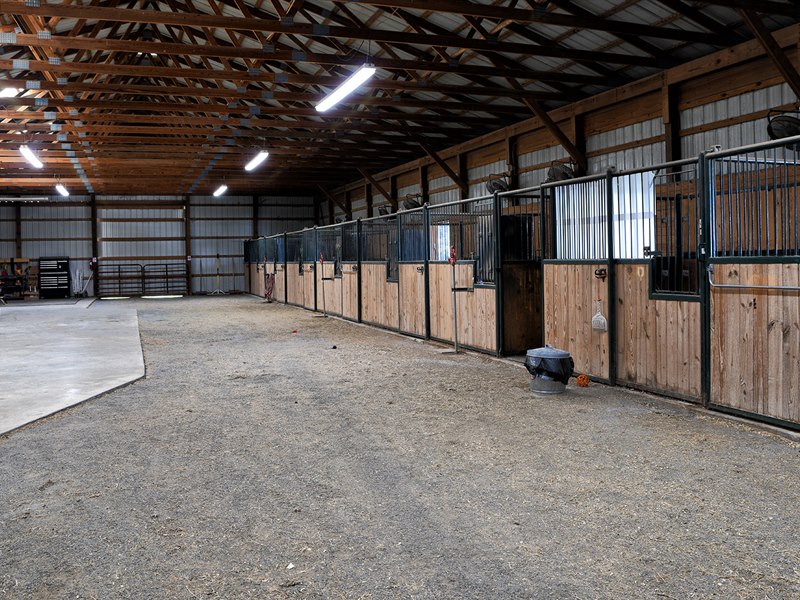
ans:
x=308 y=286
x=379 y=300
x=522 y=307
x=350 y=291
x=329 y=289
x=279 y=290
x=570 y=294
x=294 y=284
x=412 y=299
x=658 y=341
x=477 y=325
x=755 y=341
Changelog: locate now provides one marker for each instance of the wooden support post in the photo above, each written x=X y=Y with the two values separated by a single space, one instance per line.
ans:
x=332 y=199
x=331 y=215
x=368 y=197
x=579 y=137
x=456 y=177
x=512 y=159
x=390 y=196
x=672 y=123
x=463 y=175
x=348 y=202
x=393 y=192
x=187 y=231
x=423 y=184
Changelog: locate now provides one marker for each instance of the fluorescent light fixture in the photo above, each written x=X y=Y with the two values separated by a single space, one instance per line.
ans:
x=221 y=190
x=162 y=297
x=30 y=157
x=256 y=160
x=9 y=92
x=62 y=190
x=347 y=87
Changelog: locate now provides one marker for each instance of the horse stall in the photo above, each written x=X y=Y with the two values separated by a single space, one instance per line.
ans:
x=329 y=272
x=351 y=277
x=308 y=269
x=379 y=271
x=295 y=269
x=412 y=273
x=754 y=282
x=622 y=295
x=465 y=232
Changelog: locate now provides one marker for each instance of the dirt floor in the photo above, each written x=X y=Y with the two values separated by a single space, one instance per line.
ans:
x=341 y=461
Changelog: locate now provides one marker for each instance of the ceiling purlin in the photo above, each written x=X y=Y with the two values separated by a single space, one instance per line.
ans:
x=700 y=18
x=464 y=7
x=663 y=59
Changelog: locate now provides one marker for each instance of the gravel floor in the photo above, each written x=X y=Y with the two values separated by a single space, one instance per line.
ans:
x=255 y=462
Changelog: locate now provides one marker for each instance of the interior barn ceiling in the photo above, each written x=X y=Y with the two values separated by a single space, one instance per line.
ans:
x=152 y=97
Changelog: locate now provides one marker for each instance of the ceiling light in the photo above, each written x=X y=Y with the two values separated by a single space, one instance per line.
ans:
x=62 y=190
x=346 y=88
x=221 y=190
x=9 y=92
x=30 y=157
x=256 y=160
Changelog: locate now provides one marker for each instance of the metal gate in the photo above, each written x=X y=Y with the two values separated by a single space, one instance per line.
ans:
x=141 y=280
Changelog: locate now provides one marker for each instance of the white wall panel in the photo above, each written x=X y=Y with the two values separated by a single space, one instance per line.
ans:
x=545 y=157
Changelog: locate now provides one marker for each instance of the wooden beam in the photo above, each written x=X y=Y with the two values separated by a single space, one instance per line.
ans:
x=332 y=198
x=424 y=188
x=671 y=116
x=392 y=199
x=368 y=197
x=773 y=50
x=578 y=156
x=446 y=168
x=512 y=161
x=187 y=241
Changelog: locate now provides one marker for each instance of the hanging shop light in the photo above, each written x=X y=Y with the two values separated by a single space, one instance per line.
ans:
x=62 y=190
x=256 y=160
x=30 y=157
x=346 y=88
x=220 y=190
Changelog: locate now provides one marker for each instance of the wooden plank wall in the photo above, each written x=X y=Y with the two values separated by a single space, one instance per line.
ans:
x=477 y=323
x=278 y=293
x=294 y=284
x=570 y=292
x=332 y=290
x=256 y=276
x=379 y=300
x=755 y=341
x=658 y=341
x=522 y=307
x=350 y=291
x=308 y=285
x=412 y=299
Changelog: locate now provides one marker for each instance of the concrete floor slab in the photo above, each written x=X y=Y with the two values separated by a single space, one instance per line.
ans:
x=55 y=356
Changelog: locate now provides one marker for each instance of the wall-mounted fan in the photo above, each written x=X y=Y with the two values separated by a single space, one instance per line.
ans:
x=384 y=210
x=560 y=172
x=497 y=183
x=412 y=201
x=784 y=124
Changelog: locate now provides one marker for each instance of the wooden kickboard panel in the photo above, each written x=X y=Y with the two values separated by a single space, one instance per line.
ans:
x=570 y=295
x=379 y=301
x=329 y=297
x=477 y=323
x=257 y=279
x=412 y=299
x=755 y=341
x=278 y=293
x=350 y=291
x=294 y=284
x=309 y=272
x=658 y=341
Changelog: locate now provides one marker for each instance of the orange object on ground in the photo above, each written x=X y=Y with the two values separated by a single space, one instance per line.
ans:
x=582 y=380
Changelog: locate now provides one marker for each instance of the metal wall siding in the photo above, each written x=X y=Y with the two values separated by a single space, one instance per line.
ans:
x=238 y=229
x=446 y=196
x=7 y=249
x=217 y=212
x=625 y=135
x=439 y=183
x=545 y=156
x=631 y=158
x=409 y=190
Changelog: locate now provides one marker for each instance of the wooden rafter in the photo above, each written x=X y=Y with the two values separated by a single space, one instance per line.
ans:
x=773 y=50
x=391 y=199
